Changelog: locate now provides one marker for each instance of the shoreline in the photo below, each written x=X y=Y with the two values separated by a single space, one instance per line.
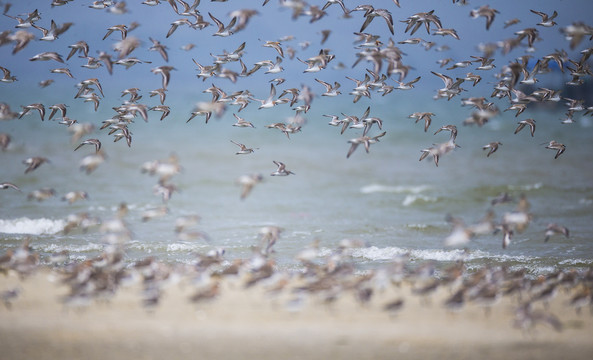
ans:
x=240 y=322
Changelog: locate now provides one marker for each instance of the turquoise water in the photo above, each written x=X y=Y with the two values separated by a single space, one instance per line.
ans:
x=386 y=198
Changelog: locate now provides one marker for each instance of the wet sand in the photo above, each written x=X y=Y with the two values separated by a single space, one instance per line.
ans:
x=251 y=323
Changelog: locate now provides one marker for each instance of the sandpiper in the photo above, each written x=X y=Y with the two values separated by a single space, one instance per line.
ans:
x=493 y=146
x=553 y=229
x=7 y=185
x=94 y=142
x=243 y=148
x=554 y=145
x=37 y=106
x=281 y=171
x=248 y=182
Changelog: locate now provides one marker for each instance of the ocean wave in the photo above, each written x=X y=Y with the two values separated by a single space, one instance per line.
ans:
x=71 y=248
x=402 y=189
x=526 y=187
x=374 y=253
x=412 y=199
x=28 y=226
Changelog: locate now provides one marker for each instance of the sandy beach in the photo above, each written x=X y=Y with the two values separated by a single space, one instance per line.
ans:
x=253 y=323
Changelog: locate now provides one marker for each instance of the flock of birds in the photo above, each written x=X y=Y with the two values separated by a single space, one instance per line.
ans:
x=324 y=279
x=386 y=72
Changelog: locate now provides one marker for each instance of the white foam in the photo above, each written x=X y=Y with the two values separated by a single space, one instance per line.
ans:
x=576 y=262
x=527 y=187
x=25 y=225
x=184 y=247
x=54 y=248
x=375 y=188
x=374 y=253
x=411 y=199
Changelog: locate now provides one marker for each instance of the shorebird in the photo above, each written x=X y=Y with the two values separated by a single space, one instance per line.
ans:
x=223 y=30
x=84 y=85
x=36 y=106
x=511 y=22
x=7 y=78
x=493 y=146
x=90 y=162
x=163 y=108
x=175 y=24
x=46 y=56
x=7 y=185
x=41 y=194
x=365 y=140
x=526 y=122
x=247 y=183
x=330 y=90
x=55 y=108
x=547 y=20
x=426 y=116
x=270 y=102
x=165 y=71
x=5 y=140
x=165 y=190
x=281 y=171
x=339 y=2
x=554 y=229
x=64 y=71
x=554 y=145
x=451 y=128
x=94 y=142
x=53 y=32
x=371 y=13
x=485 y=11
x=162 y=93
x=241 y=122
x=243 y=149
x=73 y=196
x=80 y=46
x=121 y=28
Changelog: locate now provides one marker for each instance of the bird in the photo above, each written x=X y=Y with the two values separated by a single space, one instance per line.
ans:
x=162 y=93
x=247 y=183
x=73 y=196
x=485 y=11
x=121 y=28
x=223 y=30
x=34 y=162
x=157 y=46
x=331 y=90
x=7 y=185
x=527 y=122
x=241 y=122
x=94 y=142
x=365 y=140
x=54 y=109
x=46 y=56
x=371 y=13
x=165 y=71
x=554 y=229
x=554 y=145
x=8 y=77
x=493 y=146
x=37 y=106
x=426 y=116
x=175 y=24
x=163 y=108
x=243 y=148
x=281 y=171
x=276 y=45
x=547 y=20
